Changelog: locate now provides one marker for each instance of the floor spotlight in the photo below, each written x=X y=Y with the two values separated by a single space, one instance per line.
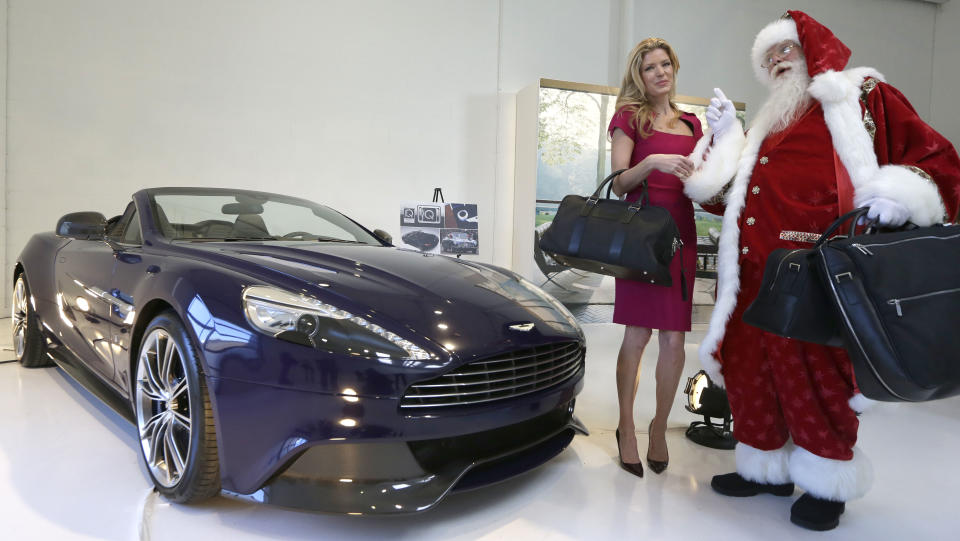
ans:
x=705 y=398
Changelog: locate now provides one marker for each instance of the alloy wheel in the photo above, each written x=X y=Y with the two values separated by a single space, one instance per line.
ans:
x=163 y=408
x=19 y=317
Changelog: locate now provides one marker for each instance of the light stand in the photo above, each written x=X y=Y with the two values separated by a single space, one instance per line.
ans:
x=705 y=398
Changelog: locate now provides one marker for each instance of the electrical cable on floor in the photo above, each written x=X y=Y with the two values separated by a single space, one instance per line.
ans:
x=146 y=514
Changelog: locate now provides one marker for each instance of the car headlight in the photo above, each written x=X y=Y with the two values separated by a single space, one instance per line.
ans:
x=308 y=321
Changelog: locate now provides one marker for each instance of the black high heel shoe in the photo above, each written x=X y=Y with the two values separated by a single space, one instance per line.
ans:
x=635 y=468
x=656 y=465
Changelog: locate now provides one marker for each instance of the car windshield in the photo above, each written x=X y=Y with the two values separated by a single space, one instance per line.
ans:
x=251 y=216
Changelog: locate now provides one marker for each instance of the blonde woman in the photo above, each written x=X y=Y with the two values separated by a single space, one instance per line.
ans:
x=651 y=137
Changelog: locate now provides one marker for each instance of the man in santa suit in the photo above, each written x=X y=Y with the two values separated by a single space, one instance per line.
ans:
x=826 y=140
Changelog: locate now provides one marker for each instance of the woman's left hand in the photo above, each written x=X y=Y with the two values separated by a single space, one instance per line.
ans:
x=673 y=164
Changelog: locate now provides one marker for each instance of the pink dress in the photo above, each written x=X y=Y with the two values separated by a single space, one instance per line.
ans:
x=647 y=305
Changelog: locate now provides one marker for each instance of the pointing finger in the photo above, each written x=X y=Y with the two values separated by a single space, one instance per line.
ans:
x=720 y=94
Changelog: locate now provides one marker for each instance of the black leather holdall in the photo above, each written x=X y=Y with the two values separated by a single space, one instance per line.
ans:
x=897 y=298
x=792 y=301
x=634 y=240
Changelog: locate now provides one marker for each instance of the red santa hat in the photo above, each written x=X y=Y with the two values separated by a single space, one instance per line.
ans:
x=823 y=50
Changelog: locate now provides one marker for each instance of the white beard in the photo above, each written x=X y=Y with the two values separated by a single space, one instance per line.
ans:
x=788 y=99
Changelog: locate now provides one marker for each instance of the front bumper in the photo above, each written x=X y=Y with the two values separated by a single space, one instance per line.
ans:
x=295 y=448
x=417 y=474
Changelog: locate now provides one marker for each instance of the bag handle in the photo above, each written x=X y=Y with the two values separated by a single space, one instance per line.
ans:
x=644 y=196
x=854 y=214
x=609 y=179
x=592 y=201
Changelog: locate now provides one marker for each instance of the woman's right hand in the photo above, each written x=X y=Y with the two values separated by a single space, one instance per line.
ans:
x=672 y=164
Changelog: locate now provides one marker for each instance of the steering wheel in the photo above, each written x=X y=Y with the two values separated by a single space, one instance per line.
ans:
x=208 y=228
x=294 y=234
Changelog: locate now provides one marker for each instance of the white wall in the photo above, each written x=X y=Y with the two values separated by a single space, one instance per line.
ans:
x=363 y=105
x=580 y=41
x=570 y=40
x=358 y=105
x=713 y=40
x=946 y=72
x=4 y=214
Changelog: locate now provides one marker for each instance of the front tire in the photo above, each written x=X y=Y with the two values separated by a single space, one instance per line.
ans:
x=178 y=440
x=28 y=344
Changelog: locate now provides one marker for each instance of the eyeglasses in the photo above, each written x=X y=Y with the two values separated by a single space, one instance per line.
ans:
x=780 y=53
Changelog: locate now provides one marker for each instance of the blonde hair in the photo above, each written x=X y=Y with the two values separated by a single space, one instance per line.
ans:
x=632 y=89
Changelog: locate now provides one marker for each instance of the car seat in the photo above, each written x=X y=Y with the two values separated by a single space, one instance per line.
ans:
x=249 y=225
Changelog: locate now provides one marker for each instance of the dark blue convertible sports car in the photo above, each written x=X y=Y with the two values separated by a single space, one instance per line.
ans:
x=270 y=346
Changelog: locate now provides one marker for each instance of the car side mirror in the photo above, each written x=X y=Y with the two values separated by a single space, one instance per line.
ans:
x=82 y=225
x=383 y=235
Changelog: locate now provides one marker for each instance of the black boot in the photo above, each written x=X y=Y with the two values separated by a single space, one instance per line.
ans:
x=732 y=484
x=813 y=513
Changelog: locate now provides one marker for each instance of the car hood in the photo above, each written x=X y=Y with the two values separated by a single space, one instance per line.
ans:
x=465 y=307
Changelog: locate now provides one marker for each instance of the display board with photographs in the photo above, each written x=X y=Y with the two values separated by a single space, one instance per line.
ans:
x=440 y=228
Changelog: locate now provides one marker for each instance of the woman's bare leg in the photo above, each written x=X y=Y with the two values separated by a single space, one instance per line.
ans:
x=635 y=339
x=670 y=363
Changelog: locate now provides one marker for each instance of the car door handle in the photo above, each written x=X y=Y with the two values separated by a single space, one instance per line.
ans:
x=122 y=306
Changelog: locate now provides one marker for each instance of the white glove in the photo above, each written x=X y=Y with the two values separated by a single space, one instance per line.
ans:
x=721 y=115
x=887 y=212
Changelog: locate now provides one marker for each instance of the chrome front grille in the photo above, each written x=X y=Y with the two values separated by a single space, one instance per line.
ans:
x=505 y=376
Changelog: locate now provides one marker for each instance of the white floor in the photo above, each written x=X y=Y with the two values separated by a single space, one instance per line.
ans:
x=69 y=470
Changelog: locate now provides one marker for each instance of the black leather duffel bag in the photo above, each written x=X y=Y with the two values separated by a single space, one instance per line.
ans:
x=792 y=301
x=897 y=299
x=634 y=240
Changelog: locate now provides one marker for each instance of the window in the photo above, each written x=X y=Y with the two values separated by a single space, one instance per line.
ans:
x=125 y=229
x=213 y=214
x=131 y=235
x=116 y=225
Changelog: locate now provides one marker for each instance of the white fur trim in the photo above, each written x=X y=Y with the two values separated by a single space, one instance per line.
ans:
x=728 y=254
x=713 y=173
x=833 y=87
x=840 y=98
x=857 y=75
x=919 y=195
x=768 y=467
x=839 y=93
x=772 y=34
x=700 y=149
x=836 y=85
x=828 y=479
x=714 y=370
x=860 y=403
